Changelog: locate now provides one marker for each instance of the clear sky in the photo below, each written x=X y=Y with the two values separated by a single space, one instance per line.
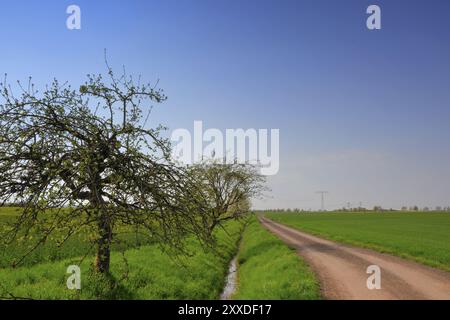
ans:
x=362 y=114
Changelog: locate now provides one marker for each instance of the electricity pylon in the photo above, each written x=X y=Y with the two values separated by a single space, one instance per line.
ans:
x=322 y=198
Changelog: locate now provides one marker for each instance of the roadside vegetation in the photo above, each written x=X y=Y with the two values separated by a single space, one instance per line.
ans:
x=140 y=271
x=268 y=269
x=423 y=236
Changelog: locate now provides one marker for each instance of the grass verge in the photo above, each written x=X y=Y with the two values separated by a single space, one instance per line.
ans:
x=268 y=269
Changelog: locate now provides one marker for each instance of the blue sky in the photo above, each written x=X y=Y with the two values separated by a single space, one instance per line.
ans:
x=362 y=114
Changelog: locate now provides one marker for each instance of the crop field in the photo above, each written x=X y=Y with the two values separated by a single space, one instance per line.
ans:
x=76 y=246
x=422 y=236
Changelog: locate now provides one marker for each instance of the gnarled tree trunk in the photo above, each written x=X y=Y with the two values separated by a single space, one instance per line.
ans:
x=103 y=257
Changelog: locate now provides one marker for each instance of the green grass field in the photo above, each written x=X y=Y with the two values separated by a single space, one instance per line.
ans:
x=268 y=269
x=143 y=271
x=423 y=237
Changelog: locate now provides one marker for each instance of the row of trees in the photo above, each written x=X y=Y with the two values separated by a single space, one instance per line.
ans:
x=416 y=208
x=86 y=159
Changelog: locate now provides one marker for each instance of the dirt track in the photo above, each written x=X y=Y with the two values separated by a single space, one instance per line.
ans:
x=341 y=269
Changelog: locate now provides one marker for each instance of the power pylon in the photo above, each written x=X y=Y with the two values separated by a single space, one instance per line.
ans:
x=322 y=198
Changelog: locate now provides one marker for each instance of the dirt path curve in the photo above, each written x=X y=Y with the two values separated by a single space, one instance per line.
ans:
x=341 y=269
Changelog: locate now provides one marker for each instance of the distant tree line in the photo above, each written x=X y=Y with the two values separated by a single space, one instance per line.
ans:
x=361 y=209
